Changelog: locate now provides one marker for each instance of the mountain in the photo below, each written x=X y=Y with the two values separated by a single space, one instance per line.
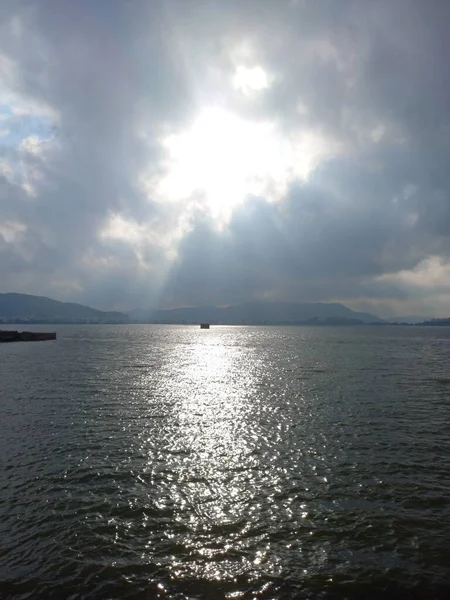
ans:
x=253 y=313
x=410 y=319
x=24 y=308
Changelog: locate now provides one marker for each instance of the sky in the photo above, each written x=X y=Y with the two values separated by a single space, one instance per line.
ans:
x=183 y=152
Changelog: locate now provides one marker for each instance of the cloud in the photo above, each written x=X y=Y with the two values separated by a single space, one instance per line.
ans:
x=358 y=91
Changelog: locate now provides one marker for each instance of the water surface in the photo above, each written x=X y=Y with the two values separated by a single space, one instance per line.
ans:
x=236 y=462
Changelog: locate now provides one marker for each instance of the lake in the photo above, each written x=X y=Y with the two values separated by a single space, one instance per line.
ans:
x=236 y=462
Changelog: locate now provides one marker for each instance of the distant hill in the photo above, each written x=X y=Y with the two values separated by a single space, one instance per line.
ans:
x=445 y=322
x=410 y=319
x=253 y=313
x=24 y=308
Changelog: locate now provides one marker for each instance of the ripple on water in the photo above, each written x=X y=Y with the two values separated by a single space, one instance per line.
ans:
x=251 y=462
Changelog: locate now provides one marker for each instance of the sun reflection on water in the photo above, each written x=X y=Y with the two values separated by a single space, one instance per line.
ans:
x=212 y=432
x=228 y=462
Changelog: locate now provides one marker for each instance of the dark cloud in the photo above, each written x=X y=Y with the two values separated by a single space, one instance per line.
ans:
x=89 y=90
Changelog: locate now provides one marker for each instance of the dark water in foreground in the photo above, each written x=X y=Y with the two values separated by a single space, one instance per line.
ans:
x=170 y=462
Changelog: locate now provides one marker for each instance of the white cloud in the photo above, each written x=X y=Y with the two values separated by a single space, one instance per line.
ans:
x=11 y=231
x=430 y=274
x=31 y=144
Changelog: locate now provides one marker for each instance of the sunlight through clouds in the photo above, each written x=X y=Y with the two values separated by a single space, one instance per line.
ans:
x=248 y=80
x=227 y=158
x=154 y=134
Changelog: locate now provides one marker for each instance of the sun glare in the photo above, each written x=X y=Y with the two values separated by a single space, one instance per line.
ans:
x=224 y=158
x=248 y=80
x=221 y=159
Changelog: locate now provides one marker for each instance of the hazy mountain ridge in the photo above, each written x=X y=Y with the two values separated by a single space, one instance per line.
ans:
x=256 y=313
x=16 y=308
x=409 y=319
x=25 y=308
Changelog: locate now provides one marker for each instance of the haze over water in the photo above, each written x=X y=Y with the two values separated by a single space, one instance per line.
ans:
x=239 y=462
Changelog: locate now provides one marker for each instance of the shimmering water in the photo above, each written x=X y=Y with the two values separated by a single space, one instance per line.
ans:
x=170 y=462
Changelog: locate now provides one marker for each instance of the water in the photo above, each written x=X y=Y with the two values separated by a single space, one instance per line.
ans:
x=264 y=462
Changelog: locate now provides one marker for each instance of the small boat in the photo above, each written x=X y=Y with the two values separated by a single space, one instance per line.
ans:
x=204 y=325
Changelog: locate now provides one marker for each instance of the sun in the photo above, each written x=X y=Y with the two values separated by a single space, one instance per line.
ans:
x=250 y=80
x=223 y=158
